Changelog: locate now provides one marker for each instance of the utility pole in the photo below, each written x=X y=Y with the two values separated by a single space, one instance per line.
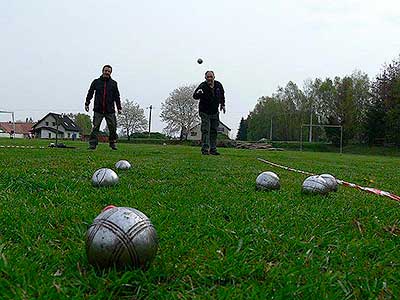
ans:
x=311 y=126
x=13 y=120
x=56 y=130
x=270 y=131
x=150 y=107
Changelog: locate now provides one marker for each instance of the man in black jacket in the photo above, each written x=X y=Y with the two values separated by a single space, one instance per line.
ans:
x=211 y=95
x=106 y=96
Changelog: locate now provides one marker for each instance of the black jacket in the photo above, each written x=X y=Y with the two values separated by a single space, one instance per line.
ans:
x=210 y=99
x=104 y=87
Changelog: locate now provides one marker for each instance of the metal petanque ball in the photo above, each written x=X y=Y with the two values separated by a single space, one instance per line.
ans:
x=267 y=181
x=315 y=185
x=123 y=165
x=104 y=177
x=122 y=237
x=331 y=180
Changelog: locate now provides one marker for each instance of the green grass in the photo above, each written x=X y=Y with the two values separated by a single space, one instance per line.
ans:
x=218 y=236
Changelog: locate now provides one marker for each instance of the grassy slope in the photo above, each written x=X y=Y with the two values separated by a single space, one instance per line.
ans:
x=218 y=236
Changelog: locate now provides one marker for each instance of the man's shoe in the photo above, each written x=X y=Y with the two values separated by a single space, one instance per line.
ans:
x=92 y=147
x=112 y=146
x=214 y=152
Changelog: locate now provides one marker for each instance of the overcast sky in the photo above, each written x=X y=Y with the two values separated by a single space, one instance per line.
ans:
x=52 y=50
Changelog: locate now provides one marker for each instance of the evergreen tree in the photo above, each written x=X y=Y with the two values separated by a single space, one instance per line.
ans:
x=242 y=132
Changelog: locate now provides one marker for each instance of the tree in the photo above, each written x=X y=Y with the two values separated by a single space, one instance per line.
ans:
x=362 y=100
x=259 y=120
x=284 y=111
x=83 y=121
x=132 y=118
x=385 y=102
x=180 y=111
x=242 y=132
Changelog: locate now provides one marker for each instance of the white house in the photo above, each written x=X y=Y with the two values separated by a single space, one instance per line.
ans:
x=195 y=132
x=49 y=125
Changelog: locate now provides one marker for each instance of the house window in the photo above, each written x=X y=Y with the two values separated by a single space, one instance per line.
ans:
x=49 y=135
x=193 y=133
x=69 y=135
x=47 y=123
x=54 y=123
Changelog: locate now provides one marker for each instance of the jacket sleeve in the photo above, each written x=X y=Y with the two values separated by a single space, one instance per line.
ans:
x=195 y=94
x=90 y=93
x=222 y=99
x=117 y=97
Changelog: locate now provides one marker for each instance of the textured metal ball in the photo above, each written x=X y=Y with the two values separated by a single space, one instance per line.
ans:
x=123 y=165
x=315 y=185
x=104 y=177
x=267 y=181
x=331 y=180
x=123 y=237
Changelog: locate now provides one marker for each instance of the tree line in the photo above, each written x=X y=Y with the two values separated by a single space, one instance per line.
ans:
x=368 y=111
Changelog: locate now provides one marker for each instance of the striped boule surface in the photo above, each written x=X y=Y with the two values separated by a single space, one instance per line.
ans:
x=123 y=165
x=123 y=237
x=267 y=181
x=104 y=177
x=331 y=180
x=315 y=185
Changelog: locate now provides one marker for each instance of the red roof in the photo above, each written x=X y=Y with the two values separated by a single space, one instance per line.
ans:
x=20 y=128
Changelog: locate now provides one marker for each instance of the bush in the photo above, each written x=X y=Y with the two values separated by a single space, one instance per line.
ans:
x=153 y=135
x=317 y=147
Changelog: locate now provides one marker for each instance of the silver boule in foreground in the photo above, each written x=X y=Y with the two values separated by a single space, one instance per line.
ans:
x=315 y=185
x=331 y=180
x=104 y=177
x=123 y=165
x=267 y=181
x=123 y=237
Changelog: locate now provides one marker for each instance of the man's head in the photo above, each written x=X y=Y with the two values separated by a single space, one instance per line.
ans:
x=210 y=77
x=107 y=70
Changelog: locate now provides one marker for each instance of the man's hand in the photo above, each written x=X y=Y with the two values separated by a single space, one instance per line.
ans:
x=87 y=108
x=119 y=111
x=222 y=107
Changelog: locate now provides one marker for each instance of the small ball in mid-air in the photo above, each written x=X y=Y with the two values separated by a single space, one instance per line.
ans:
x=315 y=185
x=122 y=237
x=331 y=180
x=123 y=165
x=199 y=61
x=104 y=177
x=267 y=181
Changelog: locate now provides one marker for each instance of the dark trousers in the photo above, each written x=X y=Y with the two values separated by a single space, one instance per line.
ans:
x=111 y=120
x=209 y=126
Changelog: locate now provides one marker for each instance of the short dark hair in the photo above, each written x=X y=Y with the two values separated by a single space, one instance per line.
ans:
x=106 y=66
x=209 y=72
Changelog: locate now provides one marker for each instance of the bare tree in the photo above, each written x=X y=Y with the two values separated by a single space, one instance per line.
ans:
x=180 y=111
x=132 y=118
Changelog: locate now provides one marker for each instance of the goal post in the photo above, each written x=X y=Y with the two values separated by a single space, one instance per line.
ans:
x=329 y=126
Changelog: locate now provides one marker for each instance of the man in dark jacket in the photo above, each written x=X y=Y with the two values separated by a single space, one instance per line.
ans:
x=211 y=95
x=106 y=96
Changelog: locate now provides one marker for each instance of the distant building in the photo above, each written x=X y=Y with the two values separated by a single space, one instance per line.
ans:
x=22 y=129
x=52 y=124
x=195 y=132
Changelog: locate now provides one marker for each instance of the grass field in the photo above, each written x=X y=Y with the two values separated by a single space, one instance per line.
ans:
x=218 y=236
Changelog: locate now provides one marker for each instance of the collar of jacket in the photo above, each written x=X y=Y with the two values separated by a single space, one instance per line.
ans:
x=104 y=78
